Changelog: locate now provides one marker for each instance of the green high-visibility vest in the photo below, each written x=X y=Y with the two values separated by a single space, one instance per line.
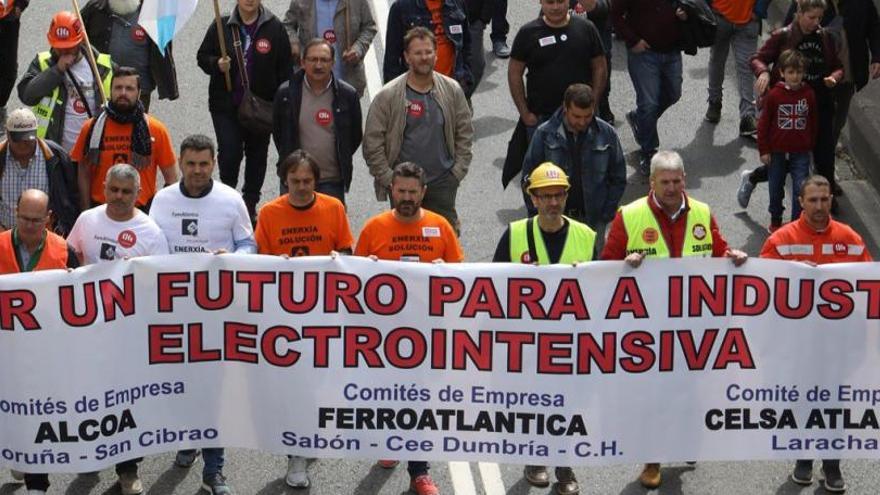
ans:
x=579 y=243
x=645 y=236
x=46 y=107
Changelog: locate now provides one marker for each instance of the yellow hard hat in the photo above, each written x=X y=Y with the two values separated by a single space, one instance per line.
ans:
x=546 y=175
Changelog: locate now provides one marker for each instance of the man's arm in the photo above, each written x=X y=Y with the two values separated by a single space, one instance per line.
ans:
x=36 y=84
x=599 y=69
x=516 y=69
x=169 y=174
x=373 y=147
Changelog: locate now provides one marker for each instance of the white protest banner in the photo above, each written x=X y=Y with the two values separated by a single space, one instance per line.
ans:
x=347 y=357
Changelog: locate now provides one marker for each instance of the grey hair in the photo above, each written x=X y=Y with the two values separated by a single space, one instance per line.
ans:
x=124 y=171
x=666 y=160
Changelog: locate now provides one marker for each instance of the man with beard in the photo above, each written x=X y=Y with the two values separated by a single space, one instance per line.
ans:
x=112 y=26
x=421 y=116
x=321 y=114
x=59 y=84
x=123 y=133
x=409 y=232
x=548 y=238
x=115 y=231
x=10 y=12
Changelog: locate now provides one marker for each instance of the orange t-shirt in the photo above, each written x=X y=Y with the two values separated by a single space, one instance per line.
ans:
x=426 y=240
x=735 y=11
x=116 y=148
x=797 y=241
x=315 y=231
x=445 y=49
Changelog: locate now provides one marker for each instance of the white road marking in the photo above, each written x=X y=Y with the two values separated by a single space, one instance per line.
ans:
x=462 y=479
x=372 y=62
x=492 y=482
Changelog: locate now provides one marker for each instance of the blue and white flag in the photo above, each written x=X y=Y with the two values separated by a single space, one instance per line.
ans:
x=163 y=19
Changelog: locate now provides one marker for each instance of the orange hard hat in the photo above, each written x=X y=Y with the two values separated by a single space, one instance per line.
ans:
x=66 y=30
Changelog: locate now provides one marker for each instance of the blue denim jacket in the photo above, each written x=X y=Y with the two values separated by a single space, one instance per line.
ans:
x=403 y=15
x=603 y=175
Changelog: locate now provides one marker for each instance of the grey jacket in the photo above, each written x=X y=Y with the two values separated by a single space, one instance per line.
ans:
x=354 y=27
x=386 y=120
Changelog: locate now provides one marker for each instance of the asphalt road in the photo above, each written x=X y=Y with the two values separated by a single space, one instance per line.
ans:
x=714 y=157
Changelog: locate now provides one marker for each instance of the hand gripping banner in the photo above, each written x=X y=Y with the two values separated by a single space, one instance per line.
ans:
x=353 y=358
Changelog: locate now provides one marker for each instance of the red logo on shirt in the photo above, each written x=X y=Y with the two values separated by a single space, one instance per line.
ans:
x=416 y=109
x=699 y=232
x=138 y=34
x=263 y=45
x=324 y=117
x=650 y=235
x=840 y=248
x=79 y=106
x=330 y=36
x=127 y=238
x=579 y=9
x=525 y=258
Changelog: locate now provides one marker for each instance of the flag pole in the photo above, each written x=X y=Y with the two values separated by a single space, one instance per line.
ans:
x=91 y=56
x=222 y=39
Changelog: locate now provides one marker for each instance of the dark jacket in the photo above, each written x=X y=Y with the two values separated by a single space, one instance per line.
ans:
x=36 y=84
x=97 y=18
x=480 y=10
x=270 y=69
x=698 y=31
x=603 y=171
x=407 y=14
x=862 y=25
x=651 y=20
x=786 y=38
x=347 y=126
x=63 y=191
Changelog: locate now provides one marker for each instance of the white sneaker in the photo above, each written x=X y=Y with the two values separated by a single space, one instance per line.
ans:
x=130 y=484
x=297 y=477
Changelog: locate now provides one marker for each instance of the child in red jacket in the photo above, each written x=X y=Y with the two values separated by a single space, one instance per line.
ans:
x=787 y=131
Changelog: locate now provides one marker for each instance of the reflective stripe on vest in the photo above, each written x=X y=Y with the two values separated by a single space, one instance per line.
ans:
x=54 y=253
x=46 y=107
x=578 y=244
x=644 y=233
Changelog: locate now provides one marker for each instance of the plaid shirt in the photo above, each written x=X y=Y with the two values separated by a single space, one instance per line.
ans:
x=17 y=179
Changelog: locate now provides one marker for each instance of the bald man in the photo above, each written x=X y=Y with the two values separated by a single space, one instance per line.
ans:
x=27 y=247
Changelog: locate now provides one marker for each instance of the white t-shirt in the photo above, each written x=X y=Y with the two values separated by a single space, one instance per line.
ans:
x=75 y=114
x=100 y=239
x=200 y=225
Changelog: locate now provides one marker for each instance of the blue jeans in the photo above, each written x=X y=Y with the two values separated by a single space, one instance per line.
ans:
x=214 y=460
x=799 y=168
x=656 y=78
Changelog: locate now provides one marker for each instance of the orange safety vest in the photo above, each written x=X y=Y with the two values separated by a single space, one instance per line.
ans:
x=54 y=253
x=6 y=7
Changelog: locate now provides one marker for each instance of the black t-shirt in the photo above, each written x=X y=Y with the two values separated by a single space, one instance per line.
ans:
x=814 y=54
x=554 y=243
x=555 y=58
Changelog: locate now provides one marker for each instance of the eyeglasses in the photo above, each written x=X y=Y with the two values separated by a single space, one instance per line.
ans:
x=552 y=197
